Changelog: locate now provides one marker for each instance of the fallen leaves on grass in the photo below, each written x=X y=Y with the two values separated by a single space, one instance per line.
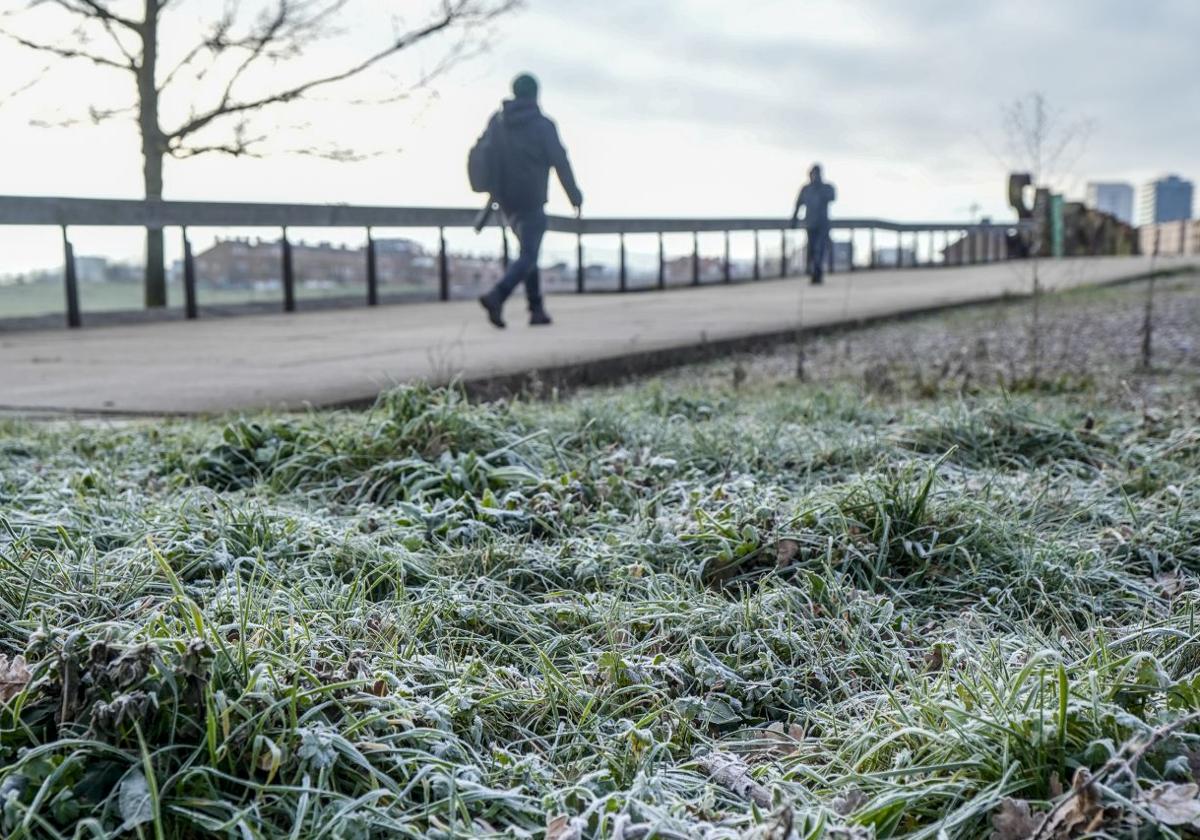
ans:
x=562 y=827
x=1173 y=804
x=850 y=801
x=785 y=552
x=1080 y=813
x=1014 y=821
x=14 y=676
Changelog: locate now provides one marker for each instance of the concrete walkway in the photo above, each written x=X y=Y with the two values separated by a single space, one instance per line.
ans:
x=343 y=356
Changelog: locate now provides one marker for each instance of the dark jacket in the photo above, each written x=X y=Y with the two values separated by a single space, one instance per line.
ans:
x=815 y=198
x=530 y=148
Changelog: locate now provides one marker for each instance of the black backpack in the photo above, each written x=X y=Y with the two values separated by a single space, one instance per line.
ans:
x=485 y=163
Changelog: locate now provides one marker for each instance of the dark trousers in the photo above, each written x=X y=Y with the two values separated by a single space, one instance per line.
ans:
x=530 y=228
x=818 y=250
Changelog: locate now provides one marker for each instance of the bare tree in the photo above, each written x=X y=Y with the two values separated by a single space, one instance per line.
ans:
x=1045 y=142
x=227 y=77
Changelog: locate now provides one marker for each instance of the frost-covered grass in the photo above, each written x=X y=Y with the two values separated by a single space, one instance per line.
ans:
x=677 y=609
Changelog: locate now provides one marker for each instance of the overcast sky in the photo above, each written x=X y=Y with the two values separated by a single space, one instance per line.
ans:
x=687 y=107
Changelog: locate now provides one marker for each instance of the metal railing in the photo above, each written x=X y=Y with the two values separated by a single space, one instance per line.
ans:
x=961 y=244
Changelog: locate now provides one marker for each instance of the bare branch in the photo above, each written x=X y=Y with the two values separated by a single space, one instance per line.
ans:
x=241 y=145
x=1041 y=139
x=211 y=43
x=68 y=52
x=96 y=10
x=453 y=12
x=233 y=149
x=29 y=85
x=110 y=28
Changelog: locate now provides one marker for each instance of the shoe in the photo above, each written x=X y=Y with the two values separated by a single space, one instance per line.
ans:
x=494 y=309
x=539 y=318
x=817 y=279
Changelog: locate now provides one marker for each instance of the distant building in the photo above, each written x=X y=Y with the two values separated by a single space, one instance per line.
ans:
x=681 y=271
x=100 y=270
x=91 y=269
x=1116 y=199
x=242 y=263
x=1180 y=238
x=890 y=257
x=1168 y=199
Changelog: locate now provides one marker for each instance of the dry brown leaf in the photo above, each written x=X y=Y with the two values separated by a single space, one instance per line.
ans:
x=785 y=552
x=776 y=740
x=14 y=676
x=1082 y=812
x=1193 y=757
x=850 y=801
x=1170 y=585
x=1173 y=804
x=562 y=827
x=1014 y=821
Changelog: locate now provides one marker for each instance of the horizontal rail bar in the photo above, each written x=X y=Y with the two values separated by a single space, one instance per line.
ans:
x=97 y=212
x=94 y=212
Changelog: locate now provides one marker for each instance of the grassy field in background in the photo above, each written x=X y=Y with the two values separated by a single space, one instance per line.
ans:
x=38 y=299
x=922 y=593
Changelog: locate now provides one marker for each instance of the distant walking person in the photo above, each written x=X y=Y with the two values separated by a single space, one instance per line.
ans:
x=815 y=198
x=523 y=145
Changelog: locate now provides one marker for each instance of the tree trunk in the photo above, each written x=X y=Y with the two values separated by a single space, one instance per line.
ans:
x=153 y=149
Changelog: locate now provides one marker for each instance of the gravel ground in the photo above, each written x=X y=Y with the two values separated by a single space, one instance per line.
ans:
x=1087 y=339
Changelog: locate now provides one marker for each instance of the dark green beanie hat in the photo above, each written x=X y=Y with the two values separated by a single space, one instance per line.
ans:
x=525 y=86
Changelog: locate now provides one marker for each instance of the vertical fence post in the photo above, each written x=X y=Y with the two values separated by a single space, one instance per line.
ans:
x=623 y=276
x=189 y=279
x=871 y=244
x=728 y=261
x=899 y=248
x=757 y=258
x=579 y=271
x=783 y=256
x=695 y=258
x=70 y=282
x=853 y=238
x=289 y=275
x=443 y=266
x=662 y=262
x=372 y=271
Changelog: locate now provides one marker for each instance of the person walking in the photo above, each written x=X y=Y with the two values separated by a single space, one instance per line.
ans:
x=528 y=147
x=815 y=198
